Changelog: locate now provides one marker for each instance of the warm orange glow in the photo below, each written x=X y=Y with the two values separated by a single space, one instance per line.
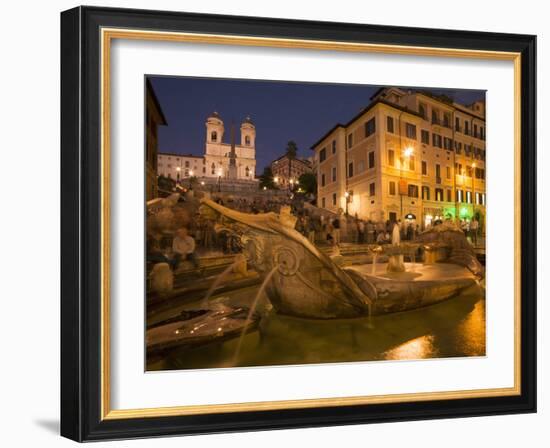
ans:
x=418 y=348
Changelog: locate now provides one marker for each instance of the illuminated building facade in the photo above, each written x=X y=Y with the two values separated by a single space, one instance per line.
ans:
x=409 y=155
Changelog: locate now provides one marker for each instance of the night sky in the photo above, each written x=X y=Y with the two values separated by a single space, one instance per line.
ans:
x=281 y=111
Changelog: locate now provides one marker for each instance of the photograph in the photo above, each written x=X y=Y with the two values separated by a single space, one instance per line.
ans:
x=291 y=223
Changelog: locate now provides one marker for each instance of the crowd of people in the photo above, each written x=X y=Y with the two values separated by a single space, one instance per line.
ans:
x=320 y=227
x=334 y=229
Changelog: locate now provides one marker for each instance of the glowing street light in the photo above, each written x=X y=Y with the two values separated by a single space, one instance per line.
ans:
x=220 y=172
x=408 y=151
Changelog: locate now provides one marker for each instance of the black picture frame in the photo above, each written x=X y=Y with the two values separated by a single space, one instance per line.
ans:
x=81 y=224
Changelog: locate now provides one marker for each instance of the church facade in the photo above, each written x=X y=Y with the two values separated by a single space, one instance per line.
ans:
x=222 y=160
x=218 y=154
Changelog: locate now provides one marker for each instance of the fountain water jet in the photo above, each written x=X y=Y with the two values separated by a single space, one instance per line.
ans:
x=217 y=282
x=267 y=279
x=395 y=259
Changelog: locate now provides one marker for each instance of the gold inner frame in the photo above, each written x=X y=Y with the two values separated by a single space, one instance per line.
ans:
x=107 y=35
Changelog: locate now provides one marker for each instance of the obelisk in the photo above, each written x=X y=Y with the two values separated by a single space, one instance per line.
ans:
x=232 y=173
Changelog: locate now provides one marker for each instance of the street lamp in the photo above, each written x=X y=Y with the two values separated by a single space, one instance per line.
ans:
x=407 y=152
x=220 y=172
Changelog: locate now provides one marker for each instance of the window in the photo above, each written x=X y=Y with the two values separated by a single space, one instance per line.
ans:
x=411 y=163
x=469 y=197
x=475 y=130
x=247 y=172
x=477 y=198
x=459 y=195
x=424 y=168
x=372 y=189
x=350 y=140
x=439 y=194
x=322 y=155
x=392 y=188
x=370 y=127
x=410 y=130
x=371 y=159
x=468 y=171
x=482 y=133
x=449 y=194
x=213 y=168
x=323 y=203
x=391 y=157
x=203 y=170
x=467 y=127
x=412 y=190
x=437 y=172
x=389 y=124
x=425 y=136
x=435 y=116
x=436 y=140
x=323 y=180
x=422 y=110
x=214 y=136
x=457 y=124
x=458 y=147
x=187 y=164
x=448 y=172
x=350 y=169
x=333 y=198
x=333 y=146
x=426 y=193
x=247 y=140
x=333 y=174
x=447 y=120
x=448 y=143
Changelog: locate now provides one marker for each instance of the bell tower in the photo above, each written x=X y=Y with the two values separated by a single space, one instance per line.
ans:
x=248 y=134
x=214 y=129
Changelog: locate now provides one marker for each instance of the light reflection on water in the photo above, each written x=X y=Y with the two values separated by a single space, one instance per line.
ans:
x=454 y=328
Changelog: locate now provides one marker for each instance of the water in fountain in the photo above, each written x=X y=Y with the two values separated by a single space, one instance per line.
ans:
x=395 y=235
x=219 y=279
x=374 y=255
x=251 y=312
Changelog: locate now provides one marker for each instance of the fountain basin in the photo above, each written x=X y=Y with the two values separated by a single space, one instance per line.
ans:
x=419 y=286
x=200 y=327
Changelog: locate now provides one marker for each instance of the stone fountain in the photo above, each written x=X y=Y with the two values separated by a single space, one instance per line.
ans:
x=304 y=282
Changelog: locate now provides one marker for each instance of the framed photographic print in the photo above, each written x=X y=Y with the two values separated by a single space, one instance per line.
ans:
x=276 y=224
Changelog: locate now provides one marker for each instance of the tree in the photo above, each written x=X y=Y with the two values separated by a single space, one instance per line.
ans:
x=291 y=151
x=308 y=182
x=266 y=179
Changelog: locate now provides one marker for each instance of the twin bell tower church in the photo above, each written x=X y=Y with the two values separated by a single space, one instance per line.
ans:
x=230 y=161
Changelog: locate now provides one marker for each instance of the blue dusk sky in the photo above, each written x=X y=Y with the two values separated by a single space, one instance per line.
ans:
x=281 y=111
